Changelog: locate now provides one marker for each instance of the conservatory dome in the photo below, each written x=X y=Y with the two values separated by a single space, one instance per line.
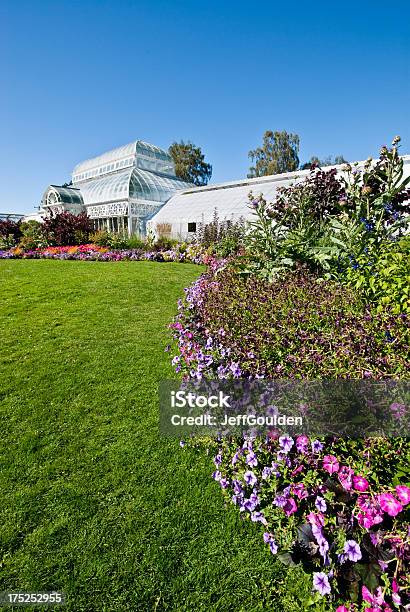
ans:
x=57 y=199
x=120 y=189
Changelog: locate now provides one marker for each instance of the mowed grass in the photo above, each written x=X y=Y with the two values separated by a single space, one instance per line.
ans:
x=94 y=502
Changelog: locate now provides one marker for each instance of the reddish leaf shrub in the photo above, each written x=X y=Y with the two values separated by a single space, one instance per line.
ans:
x=63 y=229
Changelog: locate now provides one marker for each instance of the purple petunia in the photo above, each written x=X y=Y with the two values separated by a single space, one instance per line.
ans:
x=352 y=550
x=317 y=446
x=286 y=443
x=321 y=583
x=251 y=459
x=320 y=504
x=273 y=547
x=250 y=478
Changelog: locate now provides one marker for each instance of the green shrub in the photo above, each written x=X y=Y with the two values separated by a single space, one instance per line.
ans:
x=383 y=276
x=164 y=243
x=325 y=220
x=32 y=235
x=135 y=242
x=112 y=240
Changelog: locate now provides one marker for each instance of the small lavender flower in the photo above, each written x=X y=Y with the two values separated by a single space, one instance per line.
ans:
x=320 y=504
x=251 y=459
x=286 y=443
x=323 y=547
x=258 y=517
x=317 y=446
x=237 y=487
x=218 y=459
x=280 y=500
x=321 y=583
x=250 y=478
x=266 y=472
x=352 y=550
x=273 y=548
x=235 y=369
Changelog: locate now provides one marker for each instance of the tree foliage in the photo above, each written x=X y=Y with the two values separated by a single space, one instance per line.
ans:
x=278 y=153
x=190 y=164
x=326 y=161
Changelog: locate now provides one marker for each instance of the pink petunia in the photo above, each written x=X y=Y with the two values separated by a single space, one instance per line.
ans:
x=290 y=506
x=388 y=503
x=360 y=483
x=330 y=464
x=300 y=491
x=403 y=493
x=345 y=477
x=316 y=519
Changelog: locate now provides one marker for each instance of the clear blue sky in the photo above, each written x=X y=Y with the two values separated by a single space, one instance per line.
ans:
x=79 y=78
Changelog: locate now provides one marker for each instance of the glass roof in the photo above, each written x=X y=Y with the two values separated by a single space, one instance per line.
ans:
x=55 y=194
x=230 y=199
x=155 y=187
x=126 y=155
x=133 y=184
x=108 y=188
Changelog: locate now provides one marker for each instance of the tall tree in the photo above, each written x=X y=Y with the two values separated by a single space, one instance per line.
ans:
x=278 y=153
x=190 y=164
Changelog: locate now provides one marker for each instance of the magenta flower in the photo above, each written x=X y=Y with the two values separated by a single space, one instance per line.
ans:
x=360 y=483
x=388 y=503
x=403 y=493
x=345 y=477
x=290 y=506
x=321 y=583
x=316 y=519
x=302 y=443
x=300 y=491
x=342 y=609
x=330 y=464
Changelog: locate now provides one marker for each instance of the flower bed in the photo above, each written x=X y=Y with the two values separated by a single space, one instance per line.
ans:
x=92 y=252
x=339 y=507
x=230 y=326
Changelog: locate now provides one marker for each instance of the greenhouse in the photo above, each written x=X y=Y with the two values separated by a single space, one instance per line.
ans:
x=185 y=210
x=120 y=189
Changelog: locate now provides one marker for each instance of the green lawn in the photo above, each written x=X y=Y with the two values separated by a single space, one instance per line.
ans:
x=93 y=501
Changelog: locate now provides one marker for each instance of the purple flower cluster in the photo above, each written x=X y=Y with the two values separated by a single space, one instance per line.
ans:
x=325 y=499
